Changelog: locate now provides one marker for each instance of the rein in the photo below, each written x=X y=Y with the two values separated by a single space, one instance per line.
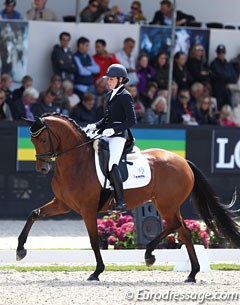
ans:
x=51 y=153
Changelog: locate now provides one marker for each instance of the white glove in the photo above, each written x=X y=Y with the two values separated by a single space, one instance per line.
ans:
x=91 y=127
x=108 y=132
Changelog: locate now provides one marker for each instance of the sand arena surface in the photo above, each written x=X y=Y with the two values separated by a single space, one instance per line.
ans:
x=131 y=287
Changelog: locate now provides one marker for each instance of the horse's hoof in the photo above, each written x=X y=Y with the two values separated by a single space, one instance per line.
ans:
x=21 y=254
x=93 y=277
x=190 y=280
x=150 y=260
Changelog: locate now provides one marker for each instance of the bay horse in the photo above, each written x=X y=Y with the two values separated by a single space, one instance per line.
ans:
x=76 y=187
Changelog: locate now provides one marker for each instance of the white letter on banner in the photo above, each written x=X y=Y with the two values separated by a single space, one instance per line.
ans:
x=221 y=157
x=237 y=153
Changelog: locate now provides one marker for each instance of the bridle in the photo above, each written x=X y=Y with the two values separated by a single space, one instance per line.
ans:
x=52 y=154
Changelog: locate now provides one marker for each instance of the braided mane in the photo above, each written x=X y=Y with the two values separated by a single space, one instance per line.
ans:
x=69 y=120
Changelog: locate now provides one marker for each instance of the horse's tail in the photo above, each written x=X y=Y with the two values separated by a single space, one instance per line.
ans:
x=217 y=217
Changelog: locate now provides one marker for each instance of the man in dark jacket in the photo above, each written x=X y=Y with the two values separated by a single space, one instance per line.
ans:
x=164 y=15
x=62 y=58
x=223 y=74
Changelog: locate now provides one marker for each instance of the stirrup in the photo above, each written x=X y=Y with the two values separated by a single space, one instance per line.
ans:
x=119 y=208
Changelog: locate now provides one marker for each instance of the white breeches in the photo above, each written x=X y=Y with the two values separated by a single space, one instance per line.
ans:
x=116 y=145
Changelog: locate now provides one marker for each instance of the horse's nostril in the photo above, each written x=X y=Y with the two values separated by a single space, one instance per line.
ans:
x=43 y=170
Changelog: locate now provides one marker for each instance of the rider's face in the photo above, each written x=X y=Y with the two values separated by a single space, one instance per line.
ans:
x=112 y=82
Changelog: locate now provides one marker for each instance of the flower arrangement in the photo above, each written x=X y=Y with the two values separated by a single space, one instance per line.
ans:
x=201 y=235
x=116 y=230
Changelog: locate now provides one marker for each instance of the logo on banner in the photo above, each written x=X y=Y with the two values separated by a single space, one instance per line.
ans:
x=226 y=151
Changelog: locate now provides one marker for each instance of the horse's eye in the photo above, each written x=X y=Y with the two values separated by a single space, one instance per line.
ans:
x=43 y=141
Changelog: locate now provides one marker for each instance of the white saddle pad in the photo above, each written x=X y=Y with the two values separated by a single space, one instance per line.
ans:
x=139 y=174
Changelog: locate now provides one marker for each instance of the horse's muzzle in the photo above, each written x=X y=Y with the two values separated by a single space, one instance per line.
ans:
x=43 y=168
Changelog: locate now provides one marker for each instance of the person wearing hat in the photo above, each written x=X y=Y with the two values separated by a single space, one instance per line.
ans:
x=222 y=74
x=119 y=116
x=9 y=12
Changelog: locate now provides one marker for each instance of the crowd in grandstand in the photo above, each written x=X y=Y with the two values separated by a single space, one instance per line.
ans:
x=201 y=91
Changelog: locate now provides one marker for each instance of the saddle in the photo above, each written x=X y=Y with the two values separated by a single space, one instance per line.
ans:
x=104 y=154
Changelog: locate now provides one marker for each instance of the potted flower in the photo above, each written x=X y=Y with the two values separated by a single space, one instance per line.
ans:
x=116 y=230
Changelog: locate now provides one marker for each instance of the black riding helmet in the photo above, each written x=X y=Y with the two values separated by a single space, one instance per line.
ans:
x=117 y=70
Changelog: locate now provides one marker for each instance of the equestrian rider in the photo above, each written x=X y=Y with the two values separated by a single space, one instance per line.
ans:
x=118 y=117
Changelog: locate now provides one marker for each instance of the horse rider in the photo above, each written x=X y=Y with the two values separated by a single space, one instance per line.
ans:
x=118 y=117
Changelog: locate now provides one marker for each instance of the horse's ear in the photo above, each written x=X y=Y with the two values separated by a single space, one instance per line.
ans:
x=38 y=121
x=30 y=122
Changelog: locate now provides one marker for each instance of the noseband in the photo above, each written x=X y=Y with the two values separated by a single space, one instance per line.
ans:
x=52 y=154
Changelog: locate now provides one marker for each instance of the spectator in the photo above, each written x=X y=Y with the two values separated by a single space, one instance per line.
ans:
x=6 y=87
x=184 y=112
x=23 y=106
x=72 y=97
x=136 y=14
x=148 y=96
x=99 y=89
x=91 y=12
x=223 y=75
x=61 y=101
x=181 y=74
x=85 y=112
x=45 y=103
x=40 y=12
x=197 y=64
x=86 y=67
x=197 y=90
x=115 y=15
x=126 y=58
x=162 y=70
x=103 y=8
x=145 y=72
x=27 y=81
x=9 y=12
x=226 y=116
x=204 y=114
x=103 y=58
x=164 y=15
x=137 y=104
x=62 y=58
x=5 y=112
x=157 y=113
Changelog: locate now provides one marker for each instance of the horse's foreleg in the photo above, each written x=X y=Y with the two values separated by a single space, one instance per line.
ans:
x=91 y=225
x=184 y=234
x=54 y=207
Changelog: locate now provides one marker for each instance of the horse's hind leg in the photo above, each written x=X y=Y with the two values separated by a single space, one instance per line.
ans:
x=172 y=223
x=184 y=234
x=54 y=207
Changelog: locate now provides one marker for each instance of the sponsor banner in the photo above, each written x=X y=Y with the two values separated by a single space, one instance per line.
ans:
x=226 y=151
x=169 y=139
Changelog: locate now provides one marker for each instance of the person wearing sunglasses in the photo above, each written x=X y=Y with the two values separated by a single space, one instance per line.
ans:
x=197 y=64
x=136 y=15
x=91 y=12
x=184 y=109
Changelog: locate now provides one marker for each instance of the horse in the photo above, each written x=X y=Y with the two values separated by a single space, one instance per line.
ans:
x=76 y=187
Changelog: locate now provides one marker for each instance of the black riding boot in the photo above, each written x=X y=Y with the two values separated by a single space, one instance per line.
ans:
x=116 y=181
